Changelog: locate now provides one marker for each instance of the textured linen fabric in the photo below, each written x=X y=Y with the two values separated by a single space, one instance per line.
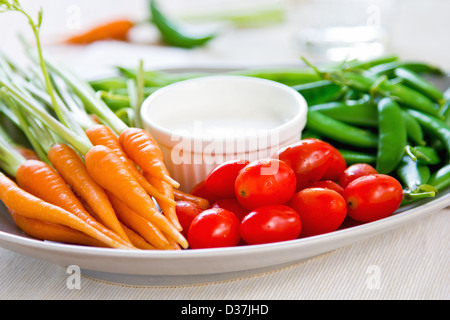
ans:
x=409 y=262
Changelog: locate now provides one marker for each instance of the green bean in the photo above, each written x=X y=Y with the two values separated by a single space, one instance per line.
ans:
x=319 y=91
x=434 y=126
x=172 y=34
x=413 y=129
x=352 y=157
x=412 y=174
x=444 y=112
x=440 y=179
x=392 y=136
x=340 y=131
x=420 y=84
x=351 y=112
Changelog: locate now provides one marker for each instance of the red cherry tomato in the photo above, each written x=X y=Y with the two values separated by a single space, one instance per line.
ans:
x=220 y=181
x=373 y=197
x=321 y=210
x=231 y=204
x=214 y=228
x=355 y=171
x=309 y=158
x=186 y=212
x=327 y=184
x=271 y=223
x=265 y=182
x=337 y=165
x=199 y=190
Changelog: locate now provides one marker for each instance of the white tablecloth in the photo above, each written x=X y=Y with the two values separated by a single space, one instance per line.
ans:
x=411 y=261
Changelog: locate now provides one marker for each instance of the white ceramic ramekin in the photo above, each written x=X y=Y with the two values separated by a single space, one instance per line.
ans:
x=202 y=122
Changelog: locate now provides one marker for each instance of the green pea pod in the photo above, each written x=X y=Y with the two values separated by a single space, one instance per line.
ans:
x=172 y=34
x=408 y=97
x=420 y=84
x=319 y=91
x=352 y=157
x=418 y=67
x=392 y=136
x=106 y=84
x=351 y=112
x=412 y=174
x=413 y=129
x=423 y=155
x=444 y=112
x=340 y=131
x=440 y=179
x=434 y=126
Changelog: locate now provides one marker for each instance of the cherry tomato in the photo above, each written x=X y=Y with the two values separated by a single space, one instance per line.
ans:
x=321 y=210
x=186 y=212
x=373 y=197
x=212 y=228
x=337 y=165
x=271 y=223
x=309 y=158
x=233 y=205
x=265 y=182
x=355 y=171
x=200 y=190
x=327 y=184
x=220 y=181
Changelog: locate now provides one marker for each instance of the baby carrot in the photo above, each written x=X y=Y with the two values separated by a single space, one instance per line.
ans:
x=144 y=151
x=139 y=224
x=136 y=239
x=72 y=169
x=103 y=135
x=43 y=230
x=183 y=196
x=114 y=30
x=42 y=181
x=109 y=171
x=169 y=210
x=30 y=206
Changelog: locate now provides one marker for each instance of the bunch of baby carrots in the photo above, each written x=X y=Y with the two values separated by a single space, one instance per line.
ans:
x=88 y=180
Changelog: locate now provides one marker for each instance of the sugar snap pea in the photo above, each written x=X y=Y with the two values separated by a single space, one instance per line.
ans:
x=420 y=84
x=340 y=131
x=352 y=156
x=412 y=174
x=434 y=127
x=392 y=136
x=172 y=34
x=423 y=155
x=418 y=67
x=440 y=179
x=319 y=91
x=413 y=129
x=351 y=112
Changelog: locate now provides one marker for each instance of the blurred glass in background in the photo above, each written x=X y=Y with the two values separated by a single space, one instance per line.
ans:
x=342 y=29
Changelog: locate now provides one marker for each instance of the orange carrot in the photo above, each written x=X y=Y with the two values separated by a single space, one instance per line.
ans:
x=183 y=196
x=114 y=30
x=139 y=224
x=42 y=181
x=110 y=172
x=144 y=151
x=169 y=210
x=72 y=169
x=43 y=230
x=103 y=135
x=30 y=206
x=138 y=241
x=27 y=153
